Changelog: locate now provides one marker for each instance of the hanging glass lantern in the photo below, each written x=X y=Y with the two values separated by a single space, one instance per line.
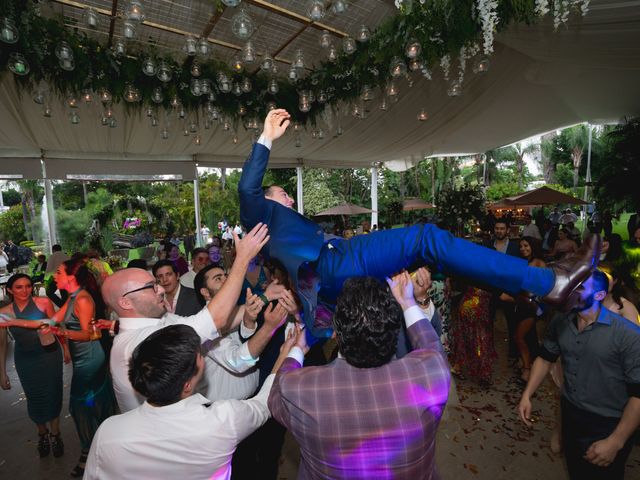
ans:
x=315 y=10
x=235 y=139
x=242 y=110
x=75 y=118
x=18 y=64
x=293 y=74
x=415 y=65
x=40 y=95
x=157 y=96
x=325 y=39
x=367 y=93
x=108 y=112
x=46 y=111
x=322 y=97
x=197 y=140
x=332 y=56
x=129 y=30
x=203 y=47
x=273 y=86
x=113 y=123
x=298 y=59
x=91 y=18
x=196 y=69
x=304 y=106
x=236 y=64
x=422 y=115
x=205 y=87
x=190 y=45
x=131 y=94
x=65 y=56
x=215 y=113
x=134 y=11
x=164 y=134
x=271 y=106
x=246 y=85
x=164 y=72
x=248 y=53
x=104 y=121
x=87 y=96
x=104 y=95
x=223 y=82
x=195 y=87
x=267 y=63
x=356 y=110
x=8 y=31
x=481 y=65
x=363 y=34
x=149 y=111
x=237 y=89
x=212 y=96
x=231 y=3
x=392 y=89
x=149 y=67
x=119 y=47
x=348 y=45
x=455 y=90
x=72 y=102
x=413 y=49
x=242 y=25
x=175 y=101
x=339 y=6
x=397 y=68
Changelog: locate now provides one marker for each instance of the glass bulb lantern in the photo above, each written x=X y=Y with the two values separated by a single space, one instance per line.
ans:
x=236 y=89
x=75 y=118
x=392 y=89
x=196 y=69
x=149 y=67
x=18 y=64
x=157 y=96
x=455 y=90
x=339 y=6
x=91 y=18
x=298 y=59
x=325 y=39
x=397 y=68
x=246 y=85
x=195 y=87
x=203 y=47
x=242 y=25
x=422 y=115
x=190 y=46
x=348 y=45
x=367 y=93
x=332 y=55
x=119 y=47
x=87 y=96
x=248 y=53
x=267 y=63
x=164 y=72
x=315 y=10
x=273 y=87
x=131 y=94
x=236 y=64
x=293 y=74
x=72 y=102
x=8 y=31
x=413 y=49
x=481 y=65
x=363 y=34
x=129 y=30
x=104 y=95
x=65 y=56
x=134 y=11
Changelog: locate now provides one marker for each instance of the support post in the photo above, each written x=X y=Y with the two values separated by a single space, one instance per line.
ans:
x=299 y=191
x=51 y=217
x=587 y=180
x=374 y=197
x=196 y=203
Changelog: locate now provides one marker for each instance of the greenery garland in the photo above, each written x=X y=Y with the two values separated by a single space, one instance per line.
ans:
x=441 y=27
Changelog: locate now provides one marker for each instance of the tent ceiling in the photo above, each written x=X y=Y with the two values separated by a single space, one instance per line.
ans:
x=539 y=80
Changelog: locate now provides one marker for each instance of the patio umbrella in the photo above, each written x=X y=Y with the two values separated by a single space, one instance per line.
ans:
x=542 y=196
x=344 y=209
x=411 y=204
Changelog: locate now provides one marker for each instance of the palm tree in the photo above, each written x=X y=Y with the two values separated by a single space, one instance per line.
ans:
x=521 y=150
x=578 y=138
x=547 y=149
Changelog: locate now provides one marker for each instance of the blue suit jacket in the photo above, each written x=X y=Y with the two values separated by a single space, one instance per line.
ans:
x=294 y=238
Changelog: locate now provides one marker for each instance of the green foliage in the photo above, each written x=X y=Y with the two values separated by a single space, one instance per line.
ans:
x=317 y=194
x=564 y=174
x=498 y=191
x=12 y=225
x=461 y=205
x=72 y=226
x=11 y=197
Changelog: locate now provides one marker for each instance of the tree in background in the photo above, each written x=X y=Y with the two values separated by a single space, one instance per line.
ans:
x=11 y=225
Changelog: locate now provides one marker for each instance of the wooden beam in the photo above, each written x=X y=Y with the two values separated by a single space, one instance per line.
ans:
x=212 y=22
x=295 y=16
x=112 y=25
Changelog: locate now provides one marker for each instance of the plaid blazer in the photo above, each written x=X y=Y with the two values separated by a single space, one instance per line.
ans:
x=366 y=423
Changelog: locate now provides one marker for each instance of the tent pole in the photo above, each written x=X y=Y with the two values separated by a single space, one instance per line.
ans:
x=51 y=219
x=587 y=180
x=299 y=191
x=374 y=196
x=196 y=203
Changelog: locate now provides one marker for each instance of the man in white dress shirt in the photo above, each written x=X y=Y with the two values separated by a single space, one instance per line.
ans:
x=175 y=433
x=199 y=260
x=139 y=302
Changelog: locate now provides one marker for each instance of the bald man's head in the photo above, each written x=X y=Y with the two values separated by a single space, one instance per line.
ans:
x=133 y=292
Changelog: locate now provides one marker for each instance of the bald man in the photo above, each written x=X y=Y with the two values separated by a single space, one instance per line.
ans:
x=140 y=304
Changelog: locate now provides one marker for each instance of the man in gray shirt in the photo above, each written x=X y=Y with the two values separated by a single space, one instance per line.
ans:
x=600 y=353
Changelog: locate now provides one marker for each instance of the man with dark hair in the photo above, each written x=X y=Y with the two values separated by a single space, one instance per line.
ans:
x=176 y=432
x=365 y=415
x=199 y=260
x=300 y=244
x=600 y=353
x=54 y=261
x=181 y=300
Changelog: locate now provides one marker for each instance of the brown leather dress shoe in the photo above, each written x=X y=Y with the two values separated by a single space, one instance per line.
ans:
x=571 y=271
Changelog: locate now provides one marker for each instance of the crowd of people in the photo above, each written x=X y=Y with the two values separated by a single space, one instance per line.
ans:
x=197 y=367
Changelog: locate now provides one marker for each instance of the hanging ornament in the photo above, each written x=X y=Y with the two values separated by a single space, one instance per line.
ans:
x=205 y=87
x=75 y=118
x=46 y=111
x=267 y=63
x=214 y=114
x=197 y=140
x=413 y=49
x=190 y=46
x=348 y=45
x=164 y=134
x=322 y=97
x=91 y=18
x=18 y=64
x=195 y=87
x=298 y=59
x=131 y=94
x=392 y=89
x=72 y=102
x=298 y=143
x=356 y=110
x=304 y=106
x=315 y=10
x=8 y=31
x=65 y=56
x=236 y=64
x=157 y=96
x=367 y=93
x=129 y=30
x=242 y=25
x=397 y=68
x=164 y=72
x=196 y=69
x=119 y=47
x=224 y=85
x=422 y=116
x=415 y=65
x=325 y=39
x=242 y=110
x=149 y=67
x=273 y=86
x=203 y=47
x=104 y=121
x=246 y=85
x=339 y=6
x=271 y=106
x=40 y=95
x=212 y=96
x=226 y=126
x=293 y=74
x=248 y=53
x=363 y=34
x=134 y=11
x=237 y=89
x=108 y=112
x=113 y=123
x=87 y=96
x=455 y=90
x=332 y=55
x=104 y=95
x=231 y=3
x=149 y=112
x=175 y=101
x=481 y=65
x=235 y=139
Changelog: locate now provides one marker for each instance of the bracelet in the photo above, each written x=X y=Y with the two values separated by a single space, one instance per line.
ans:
x=264 y=298
x=424 y=302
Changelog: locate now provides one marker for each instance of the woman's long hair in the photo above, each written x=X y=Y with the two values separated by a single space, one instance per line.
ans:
x=536 y=248
x=13 y=279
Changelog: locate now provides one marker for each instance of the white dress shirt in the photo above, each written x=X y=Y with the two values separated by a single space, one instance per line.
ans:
x=191 y=439
x=188 y=278
x=132 y=332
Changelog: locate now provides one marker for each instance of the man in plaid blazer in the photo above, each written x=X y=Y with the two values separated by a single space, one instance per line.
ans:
x=366 y=415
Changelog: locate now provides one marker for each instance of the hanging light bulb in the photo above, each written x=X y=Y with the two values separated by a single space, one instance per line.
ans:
x=273 y=86
x=40 y=95
x=226 y=126
x=164 y=134
x=246 y=85
x=190 y=45
x=157 y=96
x=339 y=6
x=203 y=47
x=398 y=68
x=134 y=11
x=363 y=34
x=215 y=113
x=149 y=111
x=304 y=106
x=267 y=63
x=196 y=69
x=195 y=87
x=322 y=97
x=129 y=30
x=149 y=67
x=131 y=94
x=332 y=56
x=242 y=110
x=271 y=106
x=293 y=74
x=392 y=89
x=8 y=31
x=235 y=139
x=104 y=121
x=113 y=123
x=212 y=96
x=75 y=118
x=72 y=102
x=413 y=49
x=422 y=116
x=315 y=10
x=164 y=72
x=455 y=90
x=223 y=83
x=298 y=59
x=87 y=96
x=205 y=87
x=65 y=56
x=237 y=89
x=231 y=3
x=197 y=140
x=248 y=53
x=46 y=111
x=415 y=65
x=185 y=132
x=348 y=45
x=119 y=47
x=18 y=64
x=91 y=18
x=481 y=65
x=175 y=101
x=325 y=39
x=108 y=112
x=236 y=64
x=356 y=110
x=242 y=25
x=104 y=95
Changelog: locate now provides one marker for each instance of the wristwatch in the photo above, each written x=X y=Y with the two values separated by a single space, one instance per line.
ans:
x=424 y=302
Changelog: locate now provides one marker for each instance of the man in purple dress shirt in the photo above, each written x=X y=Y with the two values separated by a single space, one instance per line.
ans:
x=366 y=415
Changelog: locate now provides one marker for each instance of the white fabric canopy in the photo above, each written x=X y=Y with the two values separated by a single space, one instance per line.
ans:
x=538 y=80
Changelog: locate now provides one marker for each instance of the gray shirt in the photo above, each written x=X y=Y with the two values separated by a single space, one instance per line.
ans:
x=601 y=364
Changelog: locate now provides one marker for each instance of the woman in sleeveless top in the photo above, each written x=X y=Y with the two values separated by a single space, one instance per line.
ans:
x=91 y=400
x=39 y=368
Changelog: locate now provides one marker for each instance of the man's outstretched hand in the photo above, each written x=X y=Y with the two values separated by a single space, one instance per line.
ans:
x=276 y=124
x=249 y=246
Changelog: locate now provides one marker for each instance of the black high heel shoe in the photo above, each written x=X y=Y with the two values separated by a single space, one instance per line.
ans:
x=44 y=447
x=78 y=470
x=57 y=446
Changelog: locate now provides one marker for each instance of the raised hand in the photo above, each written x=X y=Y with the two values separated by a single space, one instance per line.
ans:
x=252 y=306
x=276 y=124
x=249 y=246
x=402 y=289
x=274 y=316
x=421 y=280
x=274 y=291
x=288 y=302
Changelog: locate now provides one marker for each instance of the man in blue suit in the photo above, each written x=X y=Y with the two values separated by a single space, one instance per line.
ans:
x=318 y=267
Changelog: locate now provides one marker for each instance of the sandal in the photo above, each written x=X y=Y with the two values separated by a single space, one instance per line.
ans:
x=57 y=446
x=44 y=447
x=78 y=470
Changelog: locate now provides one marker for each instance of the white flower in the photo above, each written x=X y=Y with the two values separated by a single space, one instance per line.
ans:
x=445 y=63
x=542 y=7
x=488 y=16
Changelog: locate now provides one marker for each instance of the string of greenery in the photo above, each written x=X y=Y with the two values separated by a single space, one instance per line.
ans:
x=441 y=27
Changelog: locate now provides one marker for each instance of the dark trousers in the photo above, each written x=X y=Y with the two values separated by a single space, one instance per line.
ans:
x=257 y=456
x=580 y=429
